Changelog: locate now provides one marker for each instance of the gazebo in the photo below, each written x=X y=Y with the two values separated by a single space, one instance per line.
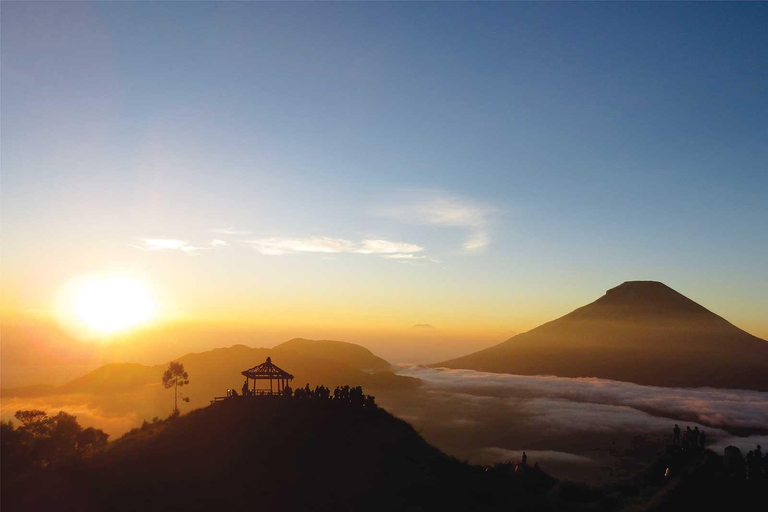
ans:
x=268 y=371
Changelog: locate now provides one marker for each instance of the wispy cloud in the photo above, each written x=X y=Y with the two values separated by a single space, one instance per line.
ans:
x=405 y=257
x=232 y=231
x=166 y=244
x=279 y=246
x=387 y=247
x=477 y=242
x=441 y=209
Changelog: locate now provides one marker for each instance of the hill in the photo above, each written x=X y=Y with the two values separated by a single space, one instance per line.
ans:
x=120 y=396
x=289 y=453
x=272 y=453
x=640 y=331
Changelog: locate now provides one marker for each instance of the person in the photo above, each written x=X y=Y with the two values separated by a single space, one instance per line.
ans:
x=702 y=439
x=676 y=433
x=525 y=459
x=234 y=393
x=245 y=387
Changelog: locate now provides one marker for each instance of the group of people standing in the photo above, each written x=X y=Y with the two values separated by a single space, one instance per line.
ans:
x=352 y=395
x=690 y=438
x=752 y=467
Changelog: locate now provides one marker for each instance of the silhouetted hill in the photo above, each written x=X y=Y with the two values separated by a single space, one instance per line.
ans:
x=292 y=454
x=274 y=453
x=115 y=376
x=134 y=392
x=348 y=353
x=640 y=331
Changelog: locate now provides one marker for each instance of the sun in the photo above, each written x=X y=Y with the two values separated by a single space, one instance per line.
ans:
x=110 y=305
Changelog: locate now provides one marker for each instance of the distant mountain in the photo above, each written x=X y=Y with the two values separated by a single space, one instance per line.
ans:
x=347 y=353
x=640 y=331
x=129 y=390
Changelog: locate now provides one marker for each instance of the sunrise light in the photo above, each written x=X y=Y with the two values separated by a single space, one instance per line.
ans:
x=109 y=305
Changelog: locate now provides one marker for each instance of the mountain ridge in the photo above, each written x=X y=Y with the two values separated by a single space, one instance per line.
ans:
x=132 y=390
x=640 y=331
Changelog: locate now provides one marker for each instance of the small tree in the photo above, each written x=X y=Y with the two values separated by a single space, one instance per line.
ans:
x=175 y=377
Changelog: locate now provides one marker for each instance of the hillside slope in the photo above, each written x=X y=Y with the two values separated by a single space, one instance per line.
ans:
x=273 y=453
x=640 y=331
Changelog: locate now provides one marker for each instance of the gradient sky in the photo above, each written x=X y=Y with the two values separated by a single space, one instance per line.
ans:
x=478 y=167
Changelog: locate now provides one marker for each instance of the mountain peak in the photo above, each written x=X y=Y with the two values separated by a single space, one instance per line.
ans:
x=640 y=285
x=633 y=300
x=645 y=290
x=639 y=331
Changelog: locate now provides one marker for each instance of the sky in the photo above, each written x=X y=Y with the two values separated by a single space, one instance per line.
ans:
x=352 y=168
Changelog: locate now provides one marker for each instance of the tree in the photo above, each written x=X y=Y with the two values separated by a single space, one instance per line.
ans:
x=175 y=377
x=33 y=420
x=45 y=441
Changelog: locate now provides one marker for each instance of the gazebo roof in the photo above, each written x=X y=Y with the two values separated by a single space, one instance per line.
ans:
x=267 y=370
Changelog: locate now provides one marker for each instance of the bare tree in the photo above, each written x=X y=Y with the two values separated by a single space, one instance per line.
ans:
x=175 y=377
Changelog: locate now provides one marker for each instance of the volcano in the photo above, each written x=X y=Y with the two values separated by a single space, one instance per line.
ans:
x=640 y=331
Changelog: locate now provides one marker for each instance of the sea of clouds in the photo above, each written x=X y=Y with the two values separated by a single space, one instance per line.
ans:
x=586 y=427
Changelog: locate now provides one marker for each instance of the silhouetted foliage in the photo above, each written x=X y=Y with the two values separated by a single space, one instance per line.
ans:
x=175 y=377
x=43 y=441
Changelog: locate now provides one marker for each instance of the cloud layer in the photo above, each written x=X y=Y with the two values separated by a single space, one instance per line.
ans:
x=551 y=396
x=591 y=430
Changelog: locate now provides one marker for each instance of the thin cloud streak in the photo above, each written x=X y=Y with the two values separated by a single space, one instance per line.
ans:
x=279 y=246
x=174 y=244
x=232 y=231
x=404 y=257
x=387 y=247
x=166 y=244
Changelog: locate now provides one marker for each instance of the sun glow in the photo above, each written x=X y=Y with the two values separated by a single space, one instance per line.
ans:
x=112 y=304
